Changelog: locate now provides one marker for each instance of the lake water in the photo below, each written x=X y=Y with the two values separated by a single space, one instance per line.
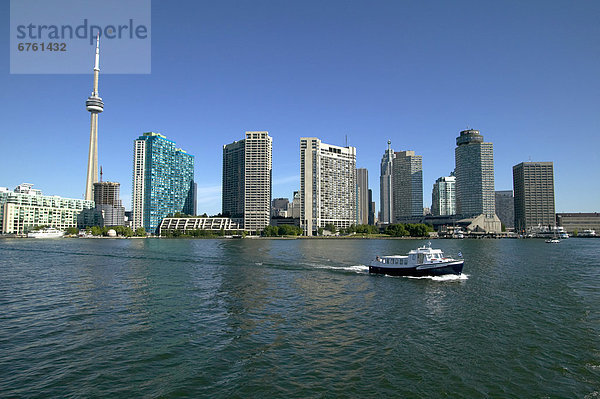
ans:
x=296 y=319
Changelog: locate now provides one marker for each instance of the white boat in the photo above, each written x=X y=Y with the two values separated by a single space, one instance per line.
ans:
x=587 y=233
x=553 y=241
x=50 y=232
x=423 y=261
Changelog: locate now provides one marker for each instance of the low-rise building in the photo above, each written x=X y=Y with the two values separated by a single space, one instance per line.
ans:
x=25 y=208
x=579 y=222
x=184 y=225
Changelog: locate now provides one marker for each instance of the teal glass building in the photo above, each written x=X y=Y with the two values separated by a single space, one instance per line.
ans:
x=163 y=181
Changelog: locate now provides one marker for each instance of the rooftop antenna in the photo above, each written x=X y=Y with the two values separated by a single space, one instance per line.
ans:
x=100 y=173
x=346 y=140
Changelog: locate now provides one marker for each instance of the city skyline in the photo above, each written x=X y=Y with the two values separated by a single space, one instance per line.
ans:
x=525 y=112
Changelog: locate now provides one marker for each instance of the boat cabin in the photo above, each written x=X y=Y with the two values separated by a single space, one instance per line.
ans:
x=418 y=256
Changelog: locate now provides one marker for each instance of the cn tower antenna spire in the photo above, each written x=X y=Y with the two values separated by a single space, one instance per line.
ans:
x=94 y=105
x=97 y=63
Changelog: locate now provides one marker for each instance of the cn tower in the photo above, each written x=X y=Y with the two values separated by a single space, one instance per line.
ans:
x=95 y=105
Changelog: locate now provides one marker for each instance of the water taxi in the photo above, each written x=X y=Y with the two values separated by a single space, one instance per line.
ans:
x=423 y=261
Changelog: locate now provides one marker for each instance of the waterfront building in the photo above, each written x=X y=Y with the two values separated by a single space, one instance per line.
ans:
x=25 y=208
x=186 y=225
x=533 y=185
x=163 y=181
x=579 y=222
x=505 y=208
x=95 y=106
x=386 y=202
x=247 y=180
x=327 y=185
x=407 y=186
x=110 y=209
x=443 y=196
x=474 y=172
x=362 y=196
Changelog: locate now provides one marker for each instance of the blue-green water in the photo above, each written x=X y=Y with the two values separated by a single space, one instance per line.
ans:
x=296 y=319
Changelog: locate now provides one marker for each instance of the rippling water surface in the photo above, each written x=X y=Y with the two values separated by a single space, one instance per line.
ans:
x=296 y=319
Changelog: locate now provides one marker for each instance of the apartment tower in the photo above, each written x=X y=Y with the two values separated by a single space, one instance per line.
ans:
x=443 y=197
x=163 y=181
x=247 y=180
x=327 y=185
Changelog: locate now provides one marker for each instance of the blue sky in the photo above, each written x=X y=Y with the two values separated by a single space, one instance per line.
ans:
x=526 y=74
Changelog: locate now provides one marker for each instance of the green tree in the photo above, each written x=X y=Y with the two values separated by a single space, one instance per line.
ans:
x=270 y=231
x=140 y=232
x=396 y=230
x=331 y=228
x=72 y=230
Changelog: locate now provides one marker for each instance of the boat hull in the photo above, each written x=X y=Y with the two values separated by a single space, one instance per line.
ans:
x=421 y=270
x=45 y=235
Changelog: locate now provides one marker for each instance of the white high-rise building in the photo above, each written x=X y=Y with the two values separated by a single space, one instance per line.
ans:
x=443 y=197
x=327 y=185
x=247 y=168
x=386 y=202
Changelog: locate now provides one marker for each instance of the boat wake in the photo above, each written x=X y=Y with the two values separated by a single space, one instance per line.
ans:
x=445 y=277
x=356 y=269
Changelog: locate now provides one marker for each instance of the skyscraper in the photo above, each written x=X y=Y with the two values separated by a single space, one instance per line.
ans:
x=474 y=171
x=533 y=184
x=94 y=105
x=234 y=171
x=327 y=185
x=407 y=185
x=386 y=202
x=371 y=209
x=443 y=197
x=247 y=169
x=362 y=196
x=163 y=181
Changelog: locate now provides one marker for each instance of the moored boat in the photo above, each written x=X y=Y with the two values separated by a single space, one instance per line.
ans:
x=50 y=232
x=423 y=261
